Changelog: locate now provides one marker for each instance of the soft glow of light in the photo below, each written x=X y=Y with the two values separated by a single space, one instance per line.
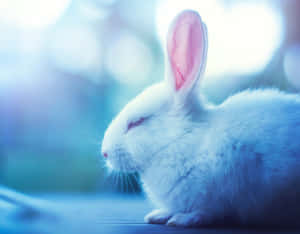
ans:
x=76 y=49
x=129 y=60
x=92 y=11
x=242 y=37
x=105 y=2
x=292 y=65
x=32 y=14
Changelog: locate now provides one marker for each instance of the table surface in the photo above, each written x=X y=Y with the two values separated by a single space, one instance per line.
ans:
x=92 y=214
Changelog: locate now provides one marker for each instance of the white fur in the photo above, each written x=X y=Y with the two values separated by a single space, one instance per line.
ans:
x=200 y=164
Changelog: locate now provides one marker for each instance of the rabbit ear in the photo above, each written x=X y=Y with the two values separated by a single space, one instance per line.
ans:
x=187 y=49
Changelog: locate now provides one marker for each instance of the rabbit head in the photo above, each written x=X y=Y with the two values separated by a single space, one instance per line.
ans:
x=160 y=115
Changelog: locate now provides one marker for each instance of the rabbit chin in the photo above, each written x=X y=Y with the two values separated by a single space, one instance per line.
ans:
x=122 y=163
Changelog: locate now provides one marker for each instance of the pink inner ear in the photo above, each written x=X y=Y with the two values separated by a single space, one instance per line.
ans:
x=185 y=48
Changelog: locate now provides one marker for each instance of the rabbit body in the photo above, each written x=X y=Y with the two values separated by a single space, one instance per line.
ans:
x=238 y=164
x=203 y=164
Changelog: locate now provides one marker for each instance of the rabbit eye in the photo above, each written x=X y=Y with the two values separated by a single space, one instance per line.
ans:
x=135 y=124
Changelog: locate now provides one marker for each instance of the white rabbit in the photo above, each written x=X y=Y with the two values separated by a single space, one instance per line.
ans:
x=202 y=164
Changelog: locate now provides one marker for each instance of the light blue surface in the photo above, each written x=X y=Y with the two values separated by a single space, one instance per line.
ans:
x=93 y=214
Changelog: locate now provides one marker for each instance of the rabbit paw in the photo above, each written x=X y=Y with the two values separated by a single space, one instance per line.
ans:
x=158 y=217
x=186 y=220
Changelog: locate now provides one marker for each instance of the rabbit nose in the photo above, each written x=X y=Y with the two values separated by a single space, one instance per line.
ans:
x=105 y=155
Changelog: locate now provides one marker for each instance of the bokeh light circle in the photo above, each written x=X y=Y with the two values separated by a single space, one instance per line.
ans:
x=32 y=14
x=129 y=60
x=76 y=49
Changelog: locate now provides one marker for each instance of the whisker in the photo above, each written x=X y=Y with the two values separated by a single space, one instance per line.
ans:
x=121 y=173
x=116 y=181
x=119 y=182
x=131 y=184
x=127 y=190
